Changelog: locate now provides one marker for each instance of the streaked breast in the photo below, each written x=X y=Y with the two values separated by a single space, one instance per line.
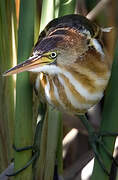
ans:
x=72 y=89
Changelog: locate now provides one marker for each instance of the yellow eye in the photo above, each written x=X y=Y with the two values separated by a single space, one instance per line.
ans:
x=53 y=55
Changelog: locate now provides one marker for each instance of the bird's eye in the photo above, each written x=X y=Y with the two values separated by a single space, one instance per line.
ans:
x=53 y=55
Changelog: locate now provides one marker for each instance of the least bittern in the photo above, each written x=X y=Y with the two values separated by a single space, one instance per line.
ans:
x=72 y=65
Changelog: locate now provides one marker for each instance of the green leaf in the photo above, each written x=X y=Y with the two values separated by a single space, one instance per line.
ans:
x=7 y=84
x=109 y=121
x=23 y=115
x=47 y=13
x=67 y=7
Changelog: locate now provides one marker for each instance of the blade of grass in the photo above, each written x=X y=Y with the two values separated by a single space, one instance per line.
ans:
x=7 y=84
x=54 y=122
x=56 y=8
x=37 y=20
x=109 y=121
x=23 y=115
x=47 y=13
x=50 y=139
x=66 y=7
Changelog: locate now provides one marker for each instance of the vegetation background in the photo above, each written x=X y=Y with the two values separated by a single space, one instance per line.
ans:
x=20 y=24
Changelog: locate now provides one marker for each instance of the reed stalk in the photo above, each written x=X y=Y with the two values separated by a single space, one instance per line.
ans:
x=23 y=114
x=7 y=84
x=109 y=121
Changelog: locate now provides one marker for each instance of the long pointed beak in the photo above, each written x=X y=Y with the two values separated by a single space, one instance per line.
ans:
x=31 y=63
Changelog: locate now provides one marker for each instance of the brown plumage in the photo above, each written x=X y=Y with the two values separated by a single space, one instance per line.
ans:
x=71 y=64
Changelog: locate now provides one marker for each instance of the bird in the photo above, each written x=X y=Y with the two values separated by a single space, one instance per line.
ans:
x=71 y=64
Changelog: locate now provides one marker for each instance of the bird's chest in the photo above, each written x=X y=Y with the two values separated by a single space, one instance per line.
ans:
x=50 y=90
x=66 y=93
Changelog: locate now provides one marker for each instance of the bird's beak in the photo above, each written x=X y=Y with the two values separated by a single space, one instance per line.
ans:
x=31 y=63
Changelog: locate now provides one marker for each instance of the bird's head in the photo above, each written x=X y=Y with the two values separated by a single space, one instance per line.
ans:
x=60 y=44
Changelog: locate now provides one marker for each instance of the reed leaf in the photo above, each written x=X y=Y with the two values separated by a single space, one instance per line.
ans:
x=109 y=121
x=7 y=84
x=47 y=13
x=66 y=7
x=23 y=115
